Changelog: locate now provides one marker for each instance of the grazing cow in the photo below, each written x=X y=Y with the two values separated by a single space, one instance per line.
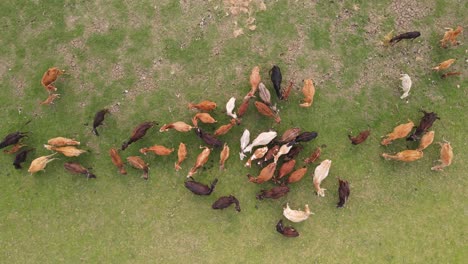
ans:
x=286 y=168
x=321 y=172
x=14 y=149
x=264 y=94
x=290 y=135
x=265 y=174
x=244 y=106
x=74 y=167
x=40 y=163
x=117 y=160
x=204 y=117
x=62 y=141
x=50 y=99
x=426 y=140
x=202 y=158
x=276 y=78
x=444 y=65
x=139 y=163
x=208 y=138
x=181 y=155
x=400 y=131
x=426 y=122
x=405 y=85
x=230 y=107
x=287 y=231
x=254 y=80
x=295 y=150
x=67 y=151
x=179 y=126
x=343 y=192
x=266 y=111
x=12 y=139
x=203 y=106
x=451 y=35
x=273 y=193
x=306 y=136
x=284 y=149
x=49 y=77
x=407 y=35
x=244 y=141
x=314 y=156
x=405 y=155
x=360 y=138
x=262 y=139
x=98 y=119
x=270 y=154
x=258 y=154
x=297 y=175
x=285 y=93
x=222 y=130
x=158 y=150
x=309 y=91
x=138 y=133
x=446 y=156
x=198 y=188
x=21 y=157
x=223 y=156
x=225 y=202
x=445 y=75
x=296 y=216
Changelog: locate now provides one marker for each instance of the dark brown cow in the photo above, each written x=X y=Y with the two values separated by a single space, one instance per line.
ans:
x=426 y=122
x=359 y=138
x=407 y=35
x=21 y=157
x=138 y=133
x=208 y=138
x=287 y=231
x=225 y=202
x=273 y=193
x=199 y=188
x=343 y=192
x=306 y=136
x=276 y=78
x=98 y=119
x=12 y=139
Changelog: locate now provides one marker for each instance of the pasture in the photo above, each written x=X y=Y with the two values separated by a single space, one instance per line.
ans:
x=146 y=60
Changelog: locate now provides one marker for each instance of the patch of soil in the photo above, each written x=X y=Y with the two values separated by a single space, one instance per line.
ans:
x=406 y=11
x=237 y=9
x=117 y=71
x=19 y=83
x=4 y=67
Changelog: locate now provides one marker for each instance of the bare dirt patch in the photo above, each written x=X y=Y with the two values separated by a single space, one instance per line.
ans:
x=407 y=11
x=238 y=9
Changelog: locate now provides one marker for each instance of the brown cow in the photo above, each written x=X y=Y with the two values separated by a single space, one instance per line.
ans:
x=78 y=169
x=50 y=99
x=451 y=36
x=49 y=77
x=273 y=193
x=138 y=133
x=359 y=138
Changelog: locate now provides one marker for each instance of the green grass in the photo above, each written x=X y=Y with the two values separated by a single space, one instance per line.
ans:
x=397 y=212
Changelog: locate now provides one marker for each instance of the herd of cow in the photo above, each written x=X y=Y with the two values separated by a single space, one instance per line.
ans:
x=276 y=156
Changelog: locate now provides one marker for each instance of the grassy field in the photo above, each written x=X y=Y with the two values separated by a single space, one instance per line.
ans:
x=145 y=60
